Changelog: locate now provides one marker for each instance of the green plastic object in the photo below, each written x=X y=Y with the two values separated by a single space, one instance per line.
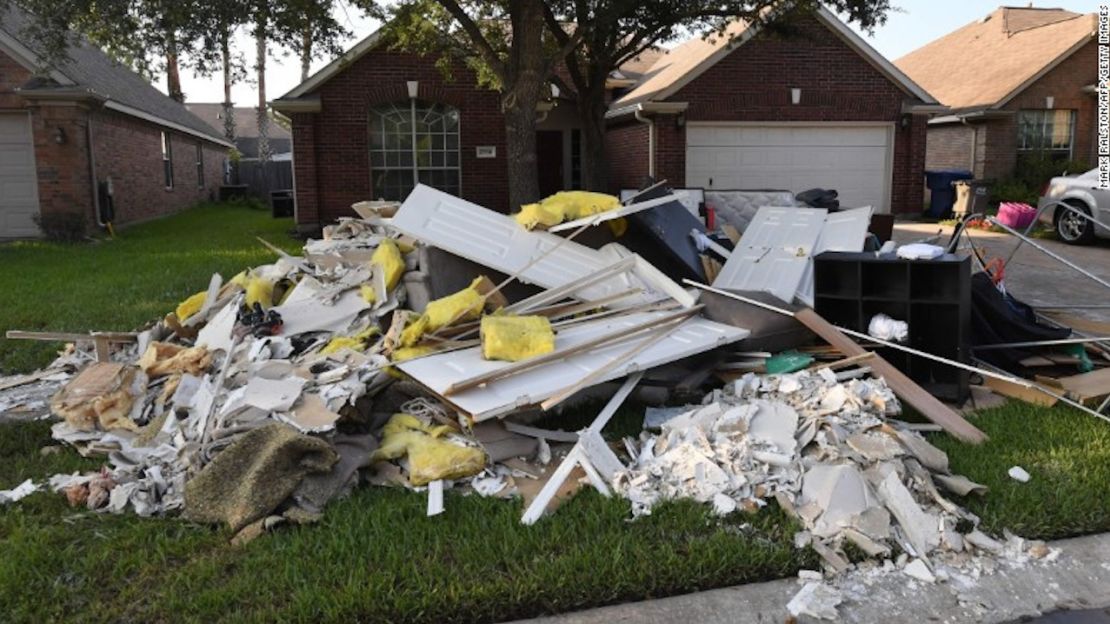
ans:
x=787 y=362
x=1080 y=351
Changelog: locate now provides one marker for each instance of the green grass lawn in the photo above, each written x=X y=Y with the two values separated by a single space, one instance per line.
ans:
x=375 y=556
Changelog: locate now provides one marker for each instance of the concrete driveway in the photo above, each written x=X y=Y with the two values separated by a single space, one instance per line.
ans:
x=1032 y=276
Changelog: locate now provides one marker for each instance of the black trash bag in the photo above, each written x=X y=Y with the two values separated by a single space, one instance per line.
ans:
x=820 y=198
x=999 y=319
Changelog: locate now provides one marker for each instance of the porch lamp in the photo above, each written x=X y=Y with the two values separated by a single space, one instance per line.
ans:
x=1049 y=101
x=795 y=96
x=414 y=88
x=60 y=135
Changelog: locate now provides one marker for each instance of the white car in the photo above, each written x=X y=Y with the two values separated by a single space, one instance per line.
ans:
x=1081 y=192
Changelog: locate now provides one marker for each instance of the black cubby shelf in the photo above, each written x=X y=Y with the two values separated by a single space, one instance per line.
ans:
x=933 y=296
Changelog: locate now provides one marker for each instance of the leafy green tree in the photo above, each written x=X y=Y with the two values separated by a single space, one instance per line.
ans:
x=507 y=43
x=614 y=32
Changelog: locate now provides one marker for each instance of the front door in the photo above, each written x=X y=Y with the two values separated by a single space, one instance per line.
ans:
x=549 y=161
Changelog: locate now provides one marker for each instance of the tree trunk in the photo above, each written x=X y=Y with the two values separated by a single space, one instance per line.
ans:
x=591 y=113
x=229 y=110
x=306 y=51
x=263 y=116
x=173 y=74
x=524 y=88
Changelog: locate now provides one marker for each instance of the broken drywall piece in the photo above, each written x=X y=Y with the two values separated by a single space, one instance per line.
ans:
x=816 y=600
x=216 y=335
x=919 y=570
x=273 y=395
x=310 y=315
x=842 y=495
x=1017 y=473
x=311 y=415
x=435 y=498
x=775 y=424
x=723 y=505
x=919 y=527
x=959 y=484
x=930 y=456
x=20 y=491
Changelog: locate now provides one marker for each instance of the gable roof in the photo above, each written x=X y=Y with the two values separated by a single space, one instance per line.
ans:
x=1011 y=47
x=212 y=113
x=691 y=59
x=93 y=72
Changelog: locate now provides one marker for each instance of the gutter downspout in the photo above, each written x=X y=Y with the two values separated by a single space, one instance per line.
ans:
x=651 y=137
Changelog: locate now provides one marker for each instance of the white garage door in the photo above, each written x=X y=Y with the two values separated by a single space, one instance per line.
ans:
x=854 y=160
x=19 y=193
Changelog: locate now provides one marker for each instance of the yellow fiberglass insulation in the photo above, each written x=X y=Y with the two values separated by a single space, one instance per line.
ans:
x=515 y=338
x=564 y=206
x=430 y=456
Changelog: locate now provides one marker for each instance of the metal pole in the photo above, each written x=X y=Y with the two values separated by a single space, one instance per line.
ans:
x=1049 y=252
x=1025 y=383
x=1037 y=343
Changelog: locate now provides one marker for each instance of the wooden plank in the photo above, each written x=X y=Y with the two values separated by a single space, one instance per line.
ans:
x=1021 y=393
x=903 y=386
x=15 y=334
x=1087 y=386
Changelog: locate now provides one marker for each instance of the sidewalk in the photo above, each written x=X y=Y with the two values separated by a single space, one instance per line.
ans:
x=1078 y=579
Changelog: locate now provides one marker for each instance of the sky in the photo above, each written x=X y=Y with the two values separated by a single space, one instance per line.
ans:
x=915 y=23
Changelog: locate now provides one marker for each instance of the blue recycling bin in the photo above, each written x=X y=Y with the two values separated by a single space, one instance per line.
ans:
x=940 y=182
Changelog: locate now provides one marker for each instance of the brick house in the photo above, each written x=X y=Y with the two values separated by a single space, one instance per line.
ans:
x=89 y=127
x=707 y=114
x=1020 y=81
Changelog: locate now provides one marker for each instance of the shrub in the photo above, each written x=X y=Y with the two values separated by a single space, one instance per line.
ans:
x=1030 y=175
x=64 y=227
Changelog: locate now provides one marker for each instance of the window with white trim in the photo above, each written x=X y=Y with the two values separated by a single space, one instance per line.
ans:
x=413 y=142
x=200 y=166
x=1046 y=133
x=167 y=160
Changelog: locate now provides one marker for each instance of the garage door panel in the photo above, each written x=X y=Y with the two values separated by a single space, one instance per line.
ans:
x=19 y=203
x=851 y=159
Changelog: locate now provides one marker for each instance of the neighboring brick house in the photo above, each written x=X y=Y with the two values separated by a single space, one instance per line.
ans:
x=87 y=126
x=697 y=116
x=1020 y=81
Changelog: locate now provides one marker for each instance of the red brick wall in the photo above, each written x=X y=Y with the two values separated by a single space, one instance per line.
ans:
x=63 y=169
x=125 y=148
x=949 y=147
x=1064 y=83
x=626 y=146
x=331 y=148
x=12 y=75
x=753 y=83
x=129 y=151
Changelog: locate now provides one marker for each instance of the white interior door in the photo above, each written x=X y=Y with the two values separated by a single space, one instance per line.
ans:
x=19 y=193
x=855 y=160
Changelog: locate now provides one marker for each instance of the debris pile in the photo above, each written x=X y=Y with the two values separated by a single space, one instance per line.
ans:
x=263 y=397
x=830 y=453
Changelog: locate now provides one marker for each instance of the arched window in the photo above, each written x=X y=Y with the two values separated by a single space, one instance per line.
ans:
x=413 y=142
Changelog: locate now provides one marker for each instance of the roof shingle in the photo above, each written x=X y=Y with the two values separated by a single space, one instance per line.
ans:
x=984 y=62
x=88 y=66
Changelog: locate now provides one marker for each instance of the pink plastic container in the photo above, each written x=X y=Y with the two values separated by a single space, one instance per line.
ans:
x=1015 y=215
